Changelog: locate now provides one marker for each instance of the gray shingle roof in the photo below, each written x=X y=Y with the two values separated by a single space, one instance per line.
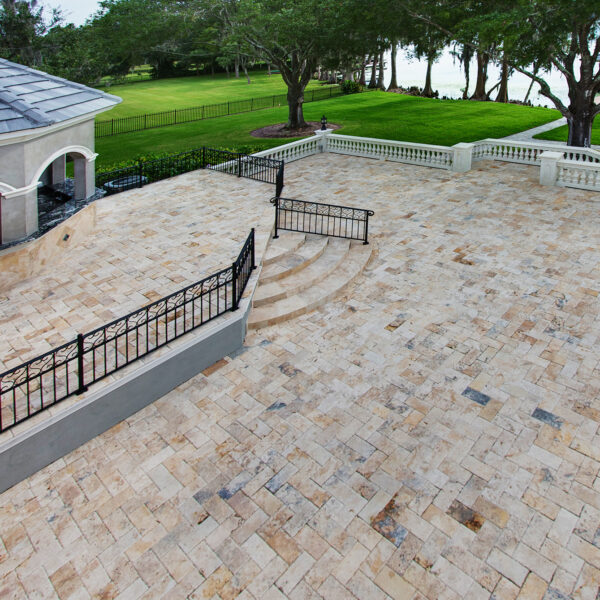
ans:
x=30 y=98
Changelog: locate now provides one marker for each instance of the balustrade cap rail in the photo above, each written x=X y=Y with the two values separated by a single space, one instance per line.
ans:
x=354 y=138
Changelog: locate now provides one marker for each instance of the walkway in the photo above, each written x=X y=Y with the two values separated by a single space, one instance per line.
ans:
x=431 y=434
x=529 y=134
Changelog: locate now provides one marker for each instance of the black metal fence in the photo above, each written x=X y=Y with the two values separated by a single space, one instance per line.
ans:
x=267 y=170
x=69 y=369
x=208 y=111
x=323 y=219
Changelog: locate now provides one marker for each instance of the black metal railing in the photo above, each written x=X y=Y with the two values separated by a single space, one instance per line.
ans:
x=69 y=369
x=267 y=170
x=322 y=219
x=208 y=111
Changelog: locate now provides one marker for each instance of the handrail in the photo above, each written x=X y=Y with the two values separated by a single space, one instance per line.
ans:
x=70 y=369
x=259 y=168
x=322 y=219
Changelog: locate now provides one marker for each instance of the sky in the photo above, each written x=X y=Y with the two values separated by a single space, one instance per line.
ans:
x=75 y=11
x=447 y=76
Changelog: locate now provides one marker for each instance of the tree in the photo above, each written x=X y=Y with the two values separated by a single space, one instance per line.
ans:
x=290 y=34
x=22 y=26
x=533 y=36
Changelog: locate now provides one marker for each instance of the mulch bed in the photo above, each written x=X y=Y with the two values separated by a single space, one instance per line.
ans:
x=278 y=131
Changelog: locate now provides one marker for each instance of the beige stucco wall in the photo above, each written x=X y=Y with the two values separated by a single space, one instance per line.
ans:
x=20 y=161
x=26 y=260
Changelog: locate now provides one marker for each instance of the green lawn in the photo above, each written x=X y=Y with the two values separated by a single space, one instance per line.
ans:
x=373 y=114
x=183 y=92
x=560 y=134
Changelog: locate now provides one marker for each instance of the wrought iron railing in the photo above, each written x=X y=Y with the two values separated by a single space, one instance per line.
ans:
x=322 y=219
x=69 y=369
x=208 y=111
x=267 y=170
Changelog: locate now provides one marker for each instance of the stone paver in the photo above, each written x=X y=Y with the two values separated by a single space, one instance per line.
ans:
x=431 y=434
x=147 y=243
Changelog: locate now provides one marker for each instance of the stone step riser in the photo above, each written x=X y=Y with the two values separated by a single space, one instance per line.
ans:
x=333 y=257
x=276 y=252
x=271 y=314
x=308 y=252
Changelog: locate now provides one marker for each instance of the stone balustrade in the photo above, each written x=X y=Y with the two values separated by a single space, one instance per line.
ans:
x=567 y=166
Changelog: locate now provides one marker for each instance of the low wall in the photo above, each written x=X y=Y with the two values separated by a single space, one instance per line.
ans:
x=53 y=438
x=29 y=259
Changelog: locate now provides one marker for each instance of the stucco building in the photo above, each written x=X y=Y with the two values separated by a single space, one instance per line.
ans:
x=43 y=120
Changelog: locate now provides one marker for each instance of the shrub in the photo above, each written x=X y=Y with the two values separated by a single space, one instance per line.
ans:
x=351 y=87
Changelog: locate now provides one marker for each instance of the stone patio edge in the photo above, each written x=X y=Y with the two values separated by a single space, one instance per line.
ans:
x=53 y=438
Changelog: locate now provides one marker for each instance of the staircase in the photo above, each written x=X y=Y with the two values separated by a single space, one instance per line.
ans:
x=302 y=272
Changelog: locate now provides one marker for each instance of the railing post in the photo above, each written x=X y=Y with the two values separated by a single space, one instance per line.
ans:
x=239 y=165
x=366 y=241
x=276 y=217
x=234 y=300
x=549 y=167
x=140 y=173
x=462 y=157
x=204 y=157
x=253 y=257
x=80 y=367
x=175 y=116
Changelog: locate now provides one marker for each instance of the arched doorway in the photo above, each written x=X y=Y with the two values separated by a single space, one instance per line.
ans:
x=65 y=182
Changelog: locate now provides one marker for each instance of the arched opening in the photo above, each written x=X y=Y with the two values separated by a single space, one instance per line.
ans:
x=65 y=184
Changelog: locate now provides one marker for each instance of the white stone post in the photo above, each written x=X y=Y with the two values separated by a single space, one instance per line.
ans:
x=463 y=157
x=323 y=135
x=85 y=180
x=59 y=166
x=549 y=167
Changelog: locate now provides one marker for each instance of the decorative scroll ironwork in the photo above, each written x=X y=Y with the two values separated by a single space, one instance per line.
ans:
x=323 y=219
x=52 y=377
x=267 y=170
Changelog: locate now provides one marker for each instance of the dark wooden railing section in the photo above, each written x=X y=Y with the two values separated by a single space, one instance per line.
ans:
x=69 y=369
x=322 y=219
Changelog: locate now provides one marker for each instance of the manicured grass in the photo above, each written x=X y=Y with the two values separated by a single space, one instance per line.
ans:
x=183 y=92
x=373 y=114
x=561 y=134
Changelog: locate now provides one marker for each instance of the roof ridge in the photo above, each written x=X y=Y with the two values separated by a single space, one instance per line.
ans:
x=38 y=99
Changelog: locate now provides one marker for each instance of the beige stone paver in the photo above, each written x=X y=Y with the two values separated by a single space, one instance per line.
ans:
x=147 y=243
x=431 y=434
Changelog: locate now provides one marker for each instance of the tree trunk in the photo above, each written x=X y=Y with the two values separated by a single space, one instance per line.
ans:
x=580 y=130
x=428 y=90
x=380 y=84
x=373 y=81
x=482 y=65
x=503 y=90
x=394 y=82
x=363 y=74
x=236 y=64
x=295 y=98
x=528 y=92
x=467 y=54
x=246 y=73
x=269 y=69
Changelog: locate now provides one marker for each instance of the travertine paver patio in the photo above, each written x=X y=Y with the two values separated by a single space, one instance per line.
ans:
x=432 y=434
x=148 y=243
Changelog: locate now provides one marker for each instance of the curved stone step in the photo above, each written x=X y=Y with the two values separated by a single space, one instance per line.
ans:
x=285 y=244
x=306 y=254
x=325 y=265
x=287 y=308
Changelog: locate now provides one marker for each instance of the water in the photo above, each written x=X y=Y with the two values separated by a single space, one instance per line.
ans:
x=449 y=80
